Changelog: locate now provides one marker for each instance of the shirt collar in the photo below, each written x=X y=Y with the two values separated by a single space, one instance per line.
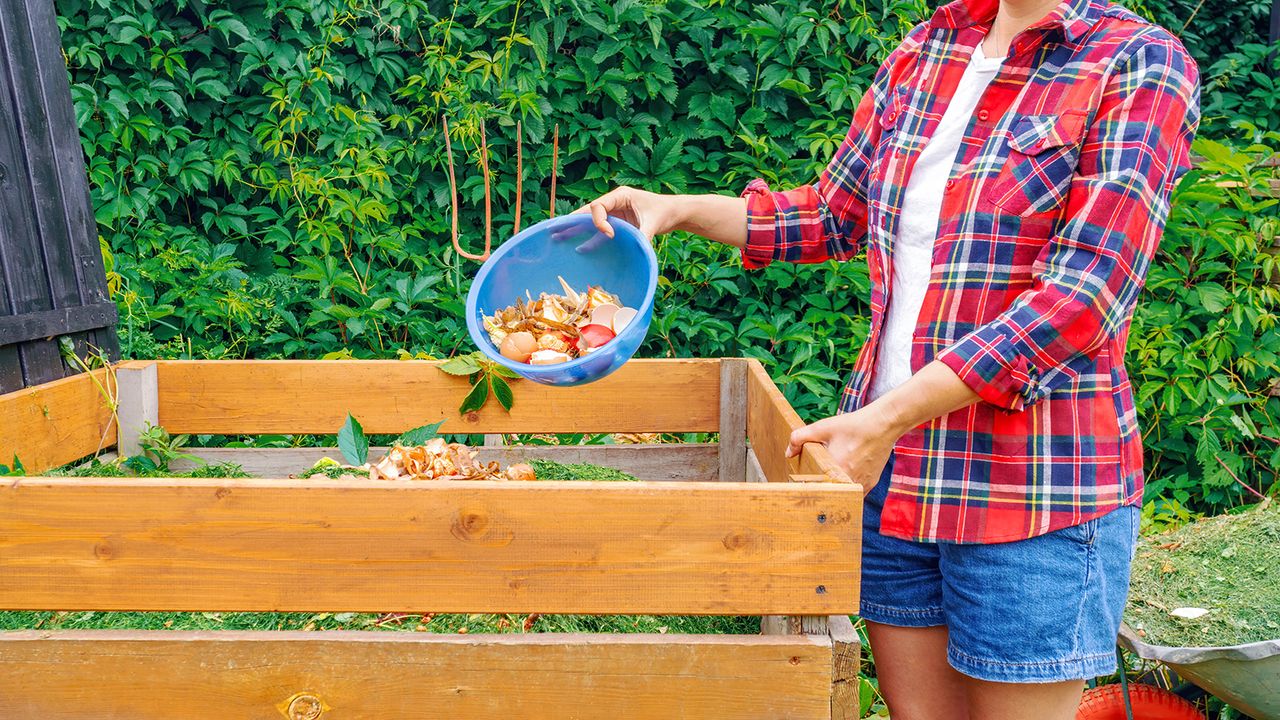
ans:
x=1073 y=17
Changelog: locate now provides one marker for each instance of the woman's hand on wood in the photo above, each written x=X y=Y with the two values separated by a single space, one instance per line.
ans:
x=860 y=442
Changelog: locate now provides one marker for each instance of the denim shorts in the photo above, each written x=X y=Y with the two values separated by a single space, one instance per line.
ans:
x=1045 y=609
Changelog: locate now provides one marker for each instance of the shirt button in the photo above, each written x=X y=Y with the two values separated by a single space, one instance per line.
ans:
x=983 y=115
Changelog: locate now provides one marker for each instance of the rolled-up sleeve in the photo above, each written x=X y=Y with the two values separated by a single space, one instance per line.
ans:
x=1091 y=271
x=827 y=219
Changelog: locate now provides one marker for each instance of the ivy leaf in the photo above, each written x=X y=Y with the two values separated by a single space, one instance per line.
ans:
x=476 y=398
x=502 y=391
x=461 y=365
x=352 y=442
x=420 y=435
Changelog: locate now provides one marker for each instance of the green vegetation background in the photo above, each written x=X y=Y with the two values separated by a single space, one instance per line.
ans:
x=269 y=181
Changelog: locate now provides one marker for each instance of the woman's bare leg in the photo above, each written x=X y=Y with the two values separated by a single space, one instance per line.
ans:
x=915 y=679
x=1023 y=701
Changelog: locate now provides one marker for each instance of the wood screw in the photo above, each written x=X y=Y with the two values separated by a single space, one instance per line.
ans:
x=305 y=707
x=822 y=517
x=821 y=589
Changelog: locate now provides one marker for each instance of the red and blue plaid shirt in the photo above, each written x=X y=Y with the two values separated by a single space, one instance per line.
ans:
x=1049 y=221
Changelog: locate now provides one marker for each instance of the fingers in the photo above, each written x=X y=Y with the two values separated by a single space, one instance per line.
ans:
x=604 y=206
x=600 y=216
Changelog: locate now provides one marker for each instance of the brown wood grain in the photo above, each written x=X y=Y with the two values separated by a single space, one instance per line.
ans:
x=551 y=547
x=391 y=396
x=770 y=422
x=112 y=675
x=58 y=422
x=846 y=660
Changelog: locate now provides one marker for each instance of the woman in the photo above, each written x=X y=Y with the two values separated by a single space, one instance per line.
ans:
x=1008 y=174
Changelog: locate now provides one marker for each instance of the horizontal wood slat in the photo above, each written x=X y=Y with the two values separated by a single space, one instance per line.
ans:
x=659 y=461
x=391 y=396
x=60 y=321
x=113 y=675
x=550 y=547
x=58 y=422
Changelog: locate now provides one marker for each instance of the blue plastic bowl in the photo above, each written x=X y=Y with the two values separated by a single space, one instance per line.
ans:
x=570 y=247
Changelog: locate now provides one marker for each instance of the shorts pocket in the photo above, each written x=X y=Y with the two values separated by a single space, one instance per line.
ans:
x=1084 y=533
x=1043 y=153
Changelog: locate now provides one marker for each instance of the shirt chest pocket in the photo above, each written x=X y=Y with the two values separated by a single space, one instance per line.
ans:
x=1043 y=152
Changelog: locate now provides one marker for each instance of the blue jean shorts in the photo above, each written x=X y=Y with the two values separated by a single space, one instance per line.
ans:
x=1045 y=609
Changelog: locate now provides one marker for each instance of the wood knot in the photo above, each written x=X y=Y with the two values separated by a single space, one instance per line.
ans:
x=472 y=417
x=735 y=541
x=474 y=526
x=221 y=492
x=470 y=524
x=305 y=706
x=795 y=660
x=104 y=550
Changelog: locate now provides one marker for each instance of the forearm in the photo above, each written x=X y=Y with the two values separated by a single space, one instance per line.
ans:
x=716 y=217
x=931 y=393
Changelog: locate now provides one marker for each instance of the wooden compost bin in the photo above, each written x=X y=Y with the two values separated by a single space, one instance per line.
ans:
x=728 y=529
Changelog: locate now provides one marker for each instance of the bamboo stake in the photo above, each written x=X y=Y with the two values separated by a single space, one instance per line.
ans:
x=519 y=175
x=555 y=157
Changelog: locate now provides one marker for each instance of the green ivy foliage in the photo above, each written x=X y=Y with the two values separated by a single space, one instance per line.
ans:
x=269 y=179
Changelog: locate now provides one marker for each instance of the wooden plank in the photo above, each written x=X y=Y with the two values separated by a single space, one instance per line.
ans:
x=137 y=404
x=794 y=625
x=770 y=422
x=113 y=675
x=55 y=423
x=550 y=547
x=49 y=323
x=733 y=420
x=391 y=396
x=665 y=461
x=846 y=660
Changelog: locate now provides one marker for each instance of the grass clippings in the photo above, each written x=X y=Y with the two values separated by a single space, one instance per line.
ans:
x=552 y=470
x=1226 y=565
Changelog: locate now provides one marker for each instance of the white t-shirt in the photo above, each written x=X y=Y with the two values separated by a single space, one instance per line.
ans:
x=918 y=225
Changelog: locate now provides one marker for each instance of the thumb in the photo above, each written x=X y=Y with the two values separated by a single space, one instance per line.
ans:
x=806 y=434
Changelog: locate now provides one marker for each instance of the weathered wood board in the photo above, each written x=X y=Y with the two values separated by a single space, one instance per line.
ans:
x=112 y=675
x=551 y=547
x=391 y=396
x=657 y=461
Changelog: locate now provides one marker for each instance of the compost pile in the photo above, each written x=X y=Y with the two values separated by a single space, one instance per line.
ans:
x=434 y=460
x=1224 y=565
x=554 y=329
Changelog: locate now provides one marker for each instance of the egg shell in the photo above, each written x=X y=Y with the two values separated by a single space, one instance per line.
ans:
x=623 y=318
x=603 y=315
x=518 y=346
x=548 y=357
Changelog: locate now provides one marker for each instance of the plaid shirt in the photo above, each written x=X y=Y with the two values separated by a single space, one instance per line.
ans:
x=1049 y=221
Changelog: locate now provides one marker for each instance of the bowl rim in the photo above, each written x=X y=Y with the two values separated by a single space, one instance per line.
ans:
x=481 y=338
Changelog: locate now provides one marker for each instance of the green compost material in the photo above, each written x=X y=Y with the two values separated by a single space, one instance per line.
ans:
x=1226 y=565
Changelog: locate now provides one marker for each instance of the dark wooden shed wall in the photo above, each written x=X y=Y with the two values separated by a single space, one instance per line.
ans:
x=52 y=282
